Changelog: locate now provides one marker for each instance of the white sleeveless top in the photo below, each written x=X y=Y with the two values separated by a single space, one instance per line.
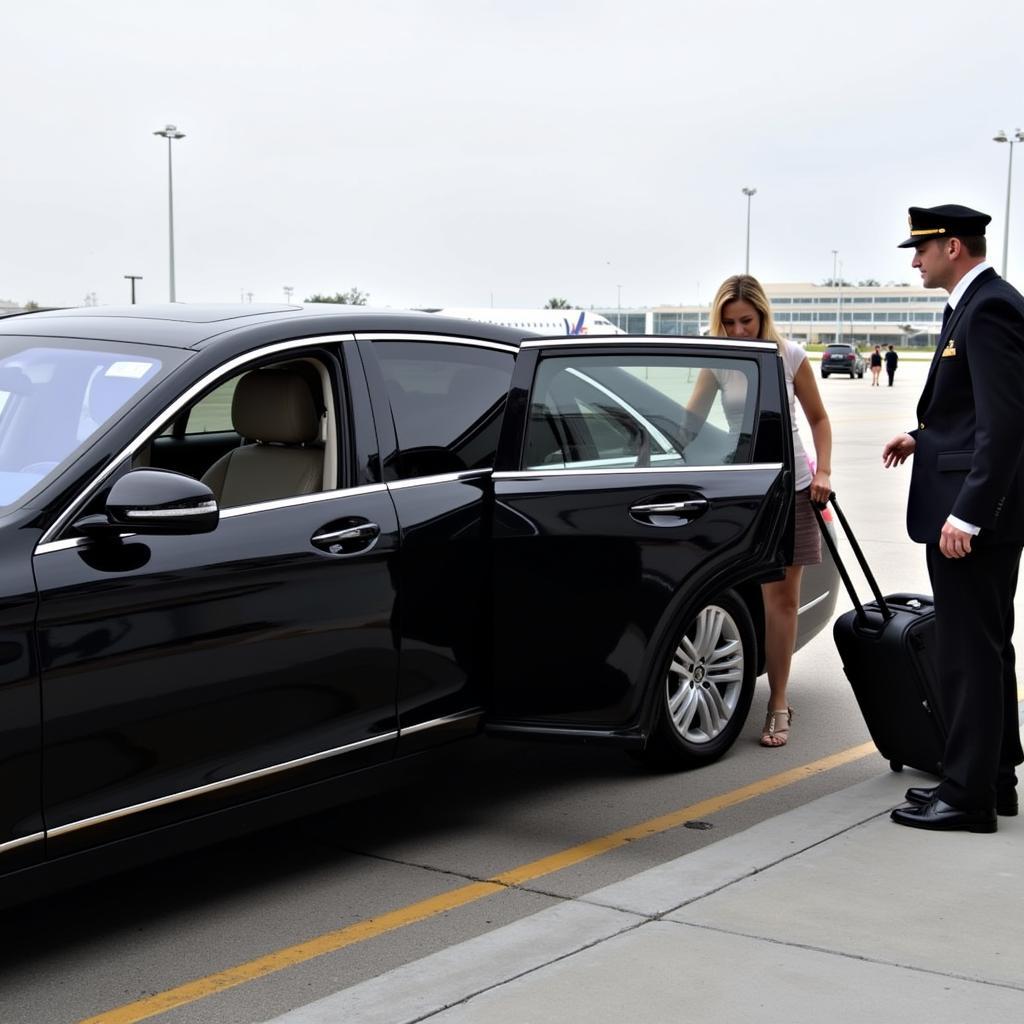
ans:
x=733 y=386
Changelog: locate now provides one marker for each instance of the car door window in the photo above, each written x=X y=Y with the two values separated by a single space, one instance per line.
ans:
x=267 y=433
x=618 y=412
x=212 y=414
x=447 y=400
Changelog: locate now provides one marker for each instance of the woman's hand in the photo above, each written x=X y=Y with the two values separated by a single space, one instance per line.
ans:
x=821 y=487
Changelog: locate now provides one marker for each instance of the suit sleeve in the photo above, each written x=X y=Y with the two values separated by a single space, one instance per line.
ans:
x=996 y=359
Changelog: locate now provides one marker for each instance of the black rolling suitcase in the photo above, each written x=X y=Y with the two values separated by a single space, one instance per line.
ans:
x=888 y=652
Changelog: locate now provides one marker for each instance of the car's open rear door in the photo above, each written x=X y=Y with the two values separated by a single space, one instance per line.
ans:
x=634 y=479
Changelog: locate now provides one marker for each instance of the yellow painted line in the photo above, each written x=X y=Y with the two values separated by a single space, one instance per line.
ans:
x=330 y=942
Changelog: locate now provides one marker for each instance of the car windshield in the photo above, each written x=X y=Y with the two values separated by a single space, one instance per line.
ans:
x=55 y=395
x=843 y=350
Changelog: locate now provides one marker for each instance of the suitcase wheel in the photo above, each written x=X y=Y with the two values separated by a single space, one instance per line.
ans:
x=896 y=766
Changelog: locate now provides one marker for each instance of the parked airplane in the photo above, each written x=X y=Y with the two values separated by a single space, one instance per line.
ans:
x=542 y=321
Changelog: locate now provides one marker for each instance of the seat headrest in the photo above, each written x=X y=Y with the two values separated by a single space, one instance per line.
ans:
x=276 y=406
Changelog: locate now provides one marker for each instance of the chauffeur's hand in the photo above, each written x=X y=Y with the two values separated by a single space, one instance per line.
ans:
x=954 y=543
x=898 y=450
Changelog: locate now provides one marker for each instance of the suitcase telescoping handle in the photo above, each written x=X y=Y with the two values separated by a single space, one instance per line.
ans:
x=883 y=607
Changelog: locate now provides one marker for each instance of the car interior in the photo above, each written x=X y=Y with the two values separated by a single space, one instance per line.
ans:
x=265 y=434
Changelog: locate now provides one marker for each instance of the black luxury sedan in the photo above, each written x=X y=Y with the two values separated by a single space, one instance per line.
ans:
x=247 y=552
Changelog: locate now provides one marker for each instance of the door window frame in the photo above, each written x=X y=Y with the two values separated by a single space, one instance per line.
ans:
x=54 y=534
x=511 y=455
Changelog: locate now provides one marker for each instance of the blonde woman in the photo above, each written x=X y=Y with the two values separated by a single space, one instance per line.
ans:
x=741 y=311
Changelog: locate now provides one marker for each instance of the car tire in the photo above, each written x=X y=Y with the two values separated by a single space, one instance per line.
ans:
x=705 y=689
x=824 y=375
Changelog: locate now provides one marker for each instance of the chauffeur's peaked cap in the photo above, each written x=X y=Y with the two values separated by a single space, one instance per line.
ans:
x=949 y=221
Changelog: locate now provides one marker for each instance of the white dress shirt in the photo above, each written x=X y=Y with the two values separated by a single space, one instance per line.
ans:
x=954 y=297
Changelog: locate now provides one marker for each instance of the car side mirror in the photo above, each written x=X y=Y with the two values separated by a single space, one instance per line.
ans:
x=154 y=501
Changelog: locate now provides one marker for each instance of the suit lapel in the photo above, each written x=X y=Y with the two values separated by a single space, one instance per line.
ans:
x=947 y=333
x=972 y=289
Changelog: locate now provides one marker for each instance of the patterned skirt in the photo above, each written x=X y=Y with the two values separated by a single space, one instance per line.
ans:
x=807 y=537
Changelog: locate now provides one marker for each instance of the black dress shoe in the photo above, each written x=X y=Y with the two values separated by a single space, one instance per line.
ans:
x=939 y=816
x=1006 y=801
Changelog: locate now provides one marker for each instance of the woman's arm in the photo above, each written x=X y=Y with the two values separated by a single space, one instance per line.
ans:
x=806 y=390
x=703 y=395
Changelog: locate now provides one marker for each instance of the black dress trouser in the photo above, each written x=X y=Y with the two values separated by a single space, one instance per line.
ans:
x=976 y=671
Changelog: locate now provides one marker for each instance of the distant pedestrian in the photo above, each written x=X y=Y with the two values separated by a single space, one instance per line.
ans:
x=891 y=359
x=876 y=366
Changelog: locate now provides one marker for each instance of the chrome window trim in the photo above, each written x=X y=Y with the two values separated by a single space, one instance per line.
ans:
x=99 y=819
x=532 y=474
x=300 y=499
x=175 y=407
x=65 y=545
x=609 y=340
x=233 y=513
x=13 y=844
x=611 y=462
x=445 y=339
x=212 y=787
x=439 y=478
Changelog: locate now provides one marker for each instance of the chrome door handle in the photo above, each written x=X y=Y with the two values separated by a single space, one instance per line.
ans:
x=668 y=513
x=350 y=541
x=670 y=508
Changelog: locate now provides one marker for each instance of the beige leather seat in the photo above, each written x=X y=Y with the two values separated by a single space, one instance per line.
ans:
x=274 y=407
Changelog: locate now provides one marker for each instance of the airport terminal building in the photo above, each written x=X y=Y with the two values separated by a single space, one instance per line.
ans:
x=817 y=314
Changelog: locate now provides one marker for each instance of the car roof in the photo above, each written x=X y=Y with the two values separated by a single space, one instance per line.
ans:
x=188 y=326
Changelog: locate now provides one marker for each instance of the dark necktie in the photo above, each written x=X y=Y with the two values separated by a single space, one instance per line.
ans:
x=946 y=314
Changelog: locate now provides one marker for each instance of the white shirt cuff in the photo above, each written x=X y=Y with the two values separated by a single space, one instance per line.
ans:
x=961 y=525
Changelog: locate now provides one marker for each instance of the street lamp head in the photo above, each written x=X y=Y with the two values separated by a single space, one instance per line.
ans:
x=170 y=132
x=1000 y=136
x=749 y=191
x=1019 y=135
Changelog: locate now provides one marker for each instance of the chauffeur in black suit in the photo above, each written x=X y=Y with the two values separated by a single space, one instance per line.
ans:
x=967 y=505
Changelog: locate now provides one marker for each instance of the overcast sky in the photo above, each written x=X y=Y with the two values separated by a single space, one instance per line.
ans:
x=478 y=152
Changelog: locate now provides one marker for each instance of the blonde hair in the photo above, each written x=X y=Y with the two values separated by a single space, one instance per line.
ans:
x=747 y=288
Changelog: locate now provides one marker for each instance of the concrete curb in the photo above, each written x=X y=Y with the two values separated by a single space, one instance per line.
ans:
x=451 y=976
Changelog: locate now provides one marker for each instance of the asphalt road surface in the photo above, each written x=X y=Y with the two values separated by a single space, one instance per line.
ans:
x=486 y=833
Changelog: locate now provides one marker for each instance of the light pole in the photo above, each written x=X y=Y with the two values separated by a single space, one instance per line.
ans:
x=1000 y=136
x=288 y=289
x=839 y=309
x=835 y=284
x=133 y=278
x=749 y=193
x=618 y=322
x=170 y=133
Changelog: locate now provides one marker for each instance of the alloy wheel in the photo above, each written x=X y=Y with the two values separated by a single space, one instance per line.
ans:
x=705 y=679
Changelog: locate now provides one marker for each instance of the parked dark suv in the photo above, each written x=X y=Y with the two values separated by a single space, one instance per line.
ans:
x=842 y=358
x=247 y=552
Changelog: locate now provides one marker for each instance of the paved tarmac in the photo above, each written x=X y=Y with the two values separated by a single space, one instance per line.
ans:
x=828 y=912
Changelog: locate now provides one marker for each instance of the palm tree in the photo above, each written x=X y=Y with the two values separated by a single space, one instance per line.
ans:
x=558 y=304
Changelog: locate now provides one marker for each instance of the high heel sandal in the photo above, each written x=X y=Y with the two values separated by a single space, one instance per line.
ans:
x=776 y=727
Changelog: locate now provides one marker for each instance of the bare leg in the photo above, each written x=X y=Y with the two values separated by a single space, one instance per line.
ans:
x=781 y=600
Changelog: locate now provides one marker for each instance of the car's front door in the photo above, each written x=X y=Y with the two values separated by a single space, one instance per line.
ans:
x=633 y=480
x=182 y=672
